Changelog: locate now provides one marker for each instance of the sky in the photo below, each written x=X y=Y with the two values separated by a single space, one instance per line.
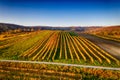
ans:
x=60 y=12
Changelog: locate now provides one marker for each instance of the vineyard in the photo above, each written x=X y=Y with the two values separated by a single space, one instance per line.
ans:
x=33 y=71
x=61 y=46
x=58 y=47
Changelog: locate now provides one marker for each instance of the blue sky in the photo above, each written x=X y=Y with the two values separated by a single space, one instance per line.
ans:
x=60 y=12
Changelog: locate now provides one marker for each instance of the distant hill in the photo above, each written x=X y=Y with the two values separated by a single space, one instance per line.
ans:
x=96 y=29
x=105 y=30
x=91 y=28
x=5 y=27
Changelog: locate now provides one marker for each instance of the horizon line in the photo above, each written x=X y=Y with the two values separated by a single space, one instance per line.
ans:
x=60 y=26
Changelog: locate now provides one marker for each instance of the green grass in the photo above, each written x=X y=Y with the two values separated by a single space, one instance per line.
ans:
x=73 y=34
x=82 y=62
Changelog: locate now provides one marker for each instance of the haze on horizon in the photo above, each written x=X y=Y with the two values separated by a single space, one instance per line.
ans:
x=60 y=12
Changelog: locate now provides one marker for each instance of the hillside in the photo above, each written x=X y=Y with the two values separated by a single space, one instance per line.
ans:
x=109 y=30
x=109 y=33
x=91 y=29
x=5 y=27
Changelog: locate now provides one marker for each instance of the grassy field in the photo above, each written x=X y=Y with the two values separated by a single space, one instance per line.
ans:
x=55 y=46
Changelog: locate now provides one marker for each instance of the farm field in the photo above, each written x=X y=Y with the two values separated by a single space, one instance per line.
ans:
x=56 y=46
x=25 y=70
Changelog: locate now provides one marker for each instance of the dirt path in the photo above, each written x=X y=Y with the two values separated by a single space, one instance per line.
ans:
x=111 y=47
x=62 y=64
